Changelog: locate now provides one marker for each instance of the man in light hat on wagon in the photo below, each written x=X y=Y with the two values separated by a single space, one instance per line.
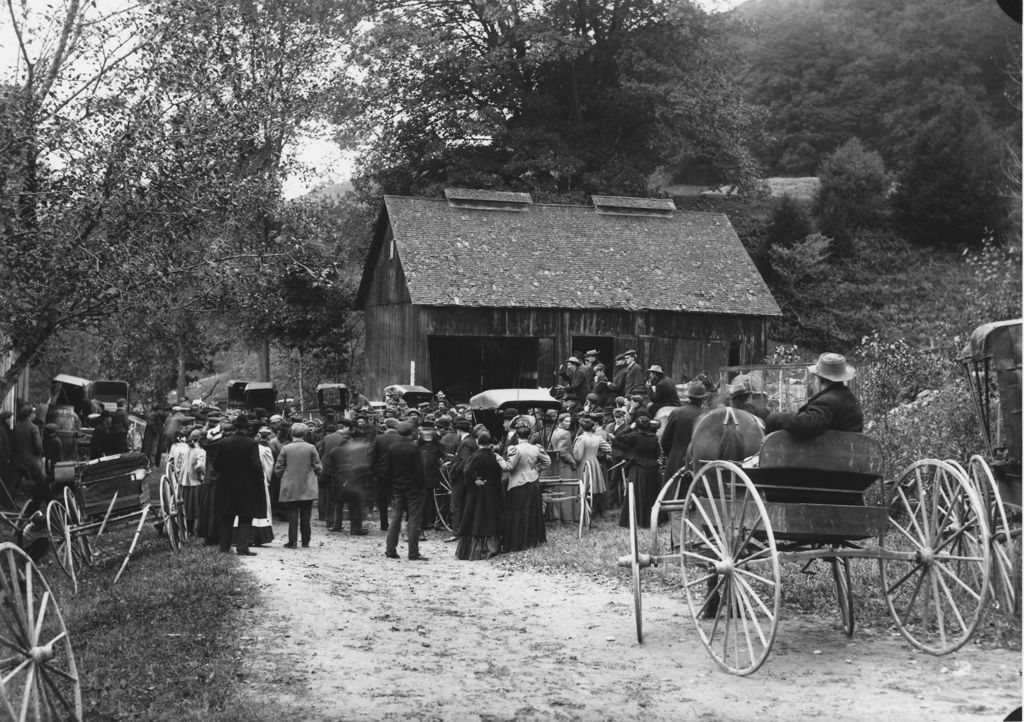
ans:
x=662 y=390
x=833 y=407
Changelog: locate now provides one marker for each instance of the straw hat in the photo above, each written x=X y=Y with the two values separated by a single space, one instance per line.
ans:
x=833 y=366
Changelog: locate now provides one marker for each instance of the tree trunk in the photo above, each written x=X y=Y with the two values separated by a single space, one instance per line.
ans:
x=264 y=360
x=181 y=372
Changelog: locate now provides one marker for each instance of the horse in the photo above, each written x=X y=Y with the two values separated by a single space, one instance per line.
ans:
x=725 y=433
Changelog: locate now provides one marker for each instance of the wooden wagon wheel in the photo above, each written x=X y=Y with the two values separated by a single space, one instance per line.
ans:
x=586 y=493
x=84 y=550
x=170 y=517
x=443 y=496
x=938 y=596
x=1006 y=551
x=38 y=675
x=634 y=566
x=727 y=543
x=59 y=525
x=844 y=593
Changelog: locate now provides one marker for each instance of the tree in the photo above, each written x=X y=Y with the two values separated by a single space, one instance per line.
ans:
x=560 y=98
x=788 y=223
x=953 y=191
x=852 y=194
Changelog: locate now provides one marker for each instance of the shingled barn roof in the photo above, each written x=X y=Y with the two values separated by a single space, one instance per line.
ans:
x=633 y=254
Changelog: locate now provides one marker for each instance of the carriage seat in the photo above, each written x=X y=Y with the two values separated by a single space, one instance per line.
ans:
x=834 y=468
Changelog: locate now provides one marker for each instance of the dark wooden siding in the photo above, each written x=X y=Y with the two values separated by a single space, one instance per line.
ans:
x=388 y=284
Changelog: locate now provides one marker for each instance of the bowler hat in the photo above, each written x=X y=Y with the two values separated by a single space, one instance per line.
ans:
x=696 y=390
x=833 y=366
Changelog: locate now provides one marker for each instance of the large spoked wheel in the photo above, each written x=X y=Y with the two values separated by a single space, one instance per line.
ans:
x=38 y=676
x=443 y=496
x=586 y=493
x=844 y=593
x=59 y=525
x=634 y=566
x=938 y=591
x=728 y=545
x=172 y=522
x=1006 y=545
x=84 y=550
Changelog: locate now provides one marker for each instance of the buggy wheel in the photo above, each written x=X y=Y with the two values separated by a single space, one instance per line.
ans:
x=938 y=594
x=1006 y=547
x=727 y=543
x=586 y=500
x=670 y=500
x=59 y=525
x=38 y=675
x=634 y=559
x=443 y=497
x=844 y=593
x=84 y=550
x=172 y=525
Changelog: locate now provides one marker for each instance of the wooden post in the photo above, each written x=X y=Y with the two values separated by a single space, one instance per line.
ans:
x=263 y=360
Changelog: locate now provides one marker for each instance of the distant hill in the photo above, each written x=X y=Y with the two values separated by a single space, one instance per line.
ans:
x=331 y=191
x=829 y=70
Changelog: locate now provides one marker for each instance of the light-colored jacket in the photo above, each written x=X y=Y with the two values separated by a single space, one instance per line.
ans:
x=298 y=465
x=526 y=461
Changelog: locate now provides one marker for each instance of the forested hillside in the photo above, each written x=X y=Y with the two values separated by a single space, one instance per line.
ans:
x=878 y=70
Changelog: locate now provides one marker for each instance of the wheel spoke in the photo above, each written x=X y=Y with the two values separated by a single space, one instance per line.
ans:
x=44 y=602
x=757 y=598
x=707 y=600
x=707 y=542
x=904 y=532
x=30 y=604
x=958 y=580
x=25 y=662
x=912 y=512
x=704 y=578
x=758 y=577
x=44 y=673
x=940 y=618
x=63 y=674
x=752 y=616
x=18 y=647
x=740 y=544
x=713 y=526
x=952 y=602
x=29 y=680
x=905 y=577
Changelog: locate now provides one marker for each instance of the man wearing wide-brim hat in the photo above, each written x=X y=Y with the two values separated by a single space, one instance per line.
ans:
x=832 y=408
x=740 y=398
x=675 y=440
x=662 y=390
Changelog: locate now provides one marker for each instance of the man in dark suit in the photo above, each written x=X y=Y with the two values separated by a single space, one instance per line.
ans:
x=576 y=389
x=464 y=450
x=833 y=407
x=405 y=468
x=675 y=440
x=633 y=381
x=239 y=487
x=663 y=390
x=27 y=457
x=379 y=468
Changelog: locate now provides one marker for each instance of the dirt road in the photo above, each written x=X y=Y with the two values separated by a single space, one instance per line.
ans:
x=343 y=633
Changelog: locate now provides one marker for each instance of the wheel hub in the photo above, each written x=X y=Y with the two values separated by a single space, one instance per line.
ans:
x=41 y=654
x=926 y=556
x=724 y=567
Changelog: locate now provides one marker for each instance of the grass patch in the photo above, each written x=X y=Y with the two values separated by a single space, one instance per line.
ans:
x=808 y=592
x=164 y=643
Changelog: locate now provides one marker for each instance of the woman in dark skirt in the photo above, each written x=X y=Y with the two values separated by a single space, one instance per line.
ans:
x=208 y=523
x=524 y=507
x=643 y=471
x=482 y=511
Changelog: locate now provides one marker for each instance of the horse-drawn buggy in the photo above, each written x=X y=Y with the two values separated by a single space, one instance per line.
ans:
x=100 y=493
x=808 y=500
x=332 y=398
x=992 y=360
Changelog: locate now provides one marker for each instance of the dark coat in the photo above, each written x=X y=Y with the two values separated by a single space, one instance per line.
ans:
x=240 y=490
x=634 y=381
x=28 y=447
x=751 y=408
x=431 y=456
x=379 y=452
x=577 y=388
x=644 y=448
x=834 y=408
x=484 y=505
x=403 y=464
x=664 y=393
x=618 y=384
x=675 y=440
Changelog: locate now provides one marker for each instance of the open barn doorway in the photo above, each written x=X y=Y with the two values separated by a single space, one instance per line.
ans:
x=462 y=366
x=604 y=345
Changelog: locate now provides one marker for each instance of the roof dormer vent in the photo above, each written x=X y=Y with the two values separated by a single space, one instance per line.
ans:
x=624 y=206
x=487 y=200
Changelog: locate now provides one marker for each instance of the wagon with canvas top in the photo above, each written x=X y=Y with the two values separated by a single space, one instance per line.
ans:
x=100 y=493
x=807 y=501
x=992 y=361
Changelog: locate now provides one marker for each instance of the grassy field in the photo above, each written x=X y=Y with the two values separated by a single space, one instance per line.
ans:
x=164 y=643
x=807 y=591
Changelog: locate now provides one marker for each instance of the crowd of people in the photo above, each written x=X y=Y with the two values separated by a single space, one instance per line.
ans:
x=239 y=470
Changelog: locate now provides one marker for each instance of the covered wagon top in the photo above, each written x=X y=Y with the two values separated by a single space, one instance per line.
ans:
x=499 y=249
x=515 y=398
x=999 y=340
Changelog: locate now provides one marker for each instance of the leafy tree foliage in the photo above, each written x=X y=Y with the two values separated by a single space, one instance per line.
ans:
x=852 y=194
x=788 y=223
x=561 y=98
x=830 y=70
x=951 y=192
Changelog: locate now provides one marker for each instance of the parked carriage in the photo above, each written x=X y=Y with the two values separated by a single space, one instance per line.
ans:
x=260 y=395
x=806 y=501
x=412 y=395
x=96 y=495
x=108 y=391
x=236 y=394
x=332 y=398
x=992 y=360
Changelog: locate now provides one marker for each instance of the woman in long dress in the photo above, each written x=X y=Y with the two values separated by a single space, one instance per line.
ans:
x=524 y=507
x=563 y=465
x=643 y=471
x=263 y=527
x=586 y=449
x=483 y=508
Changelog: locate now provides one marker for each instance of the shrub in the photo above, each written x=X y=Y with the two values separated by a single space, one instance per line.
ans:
x=852 y=195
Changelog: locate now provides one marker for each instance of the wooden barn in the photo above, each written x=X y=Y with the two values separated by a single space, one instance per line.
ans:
x=487 y=289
